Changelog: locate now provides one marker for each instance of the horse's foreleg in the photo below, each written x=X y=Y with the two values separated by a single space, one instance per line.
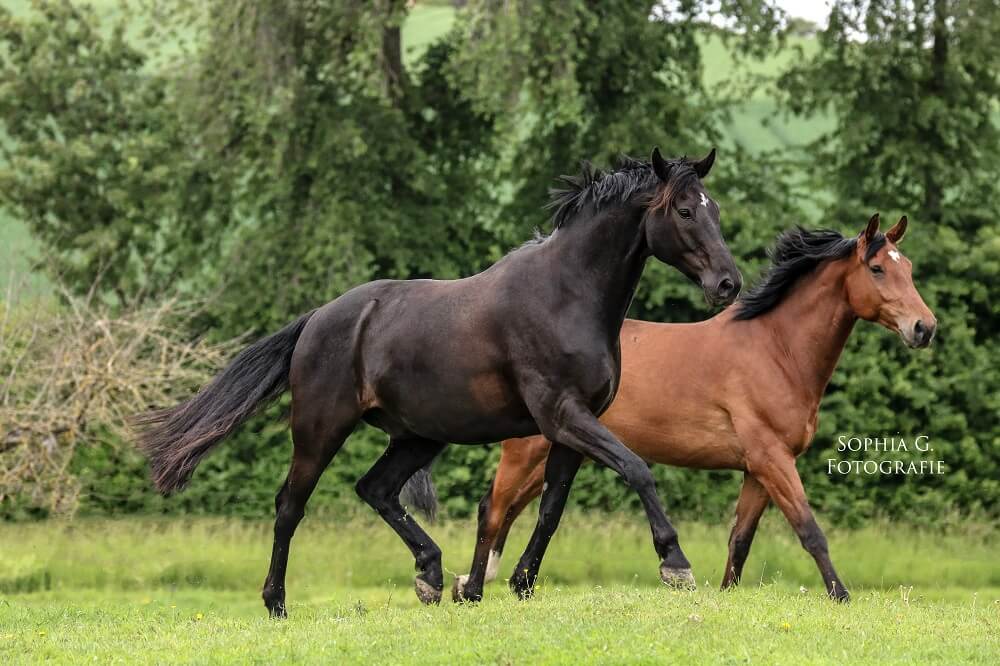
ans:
x=491 y=513
x=749 y=508
x=778 y=475
x=380 y=488
x=572 y=425
x=560 y=470
x=521 y=461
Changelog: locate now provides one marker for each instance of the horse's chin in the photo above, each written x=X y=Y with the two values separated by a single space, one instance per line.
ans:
x=912 y=343
x=717 y=301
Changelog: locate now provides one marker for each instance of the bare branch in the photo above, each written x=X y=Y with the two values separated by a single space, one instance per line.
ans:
x=74 y=373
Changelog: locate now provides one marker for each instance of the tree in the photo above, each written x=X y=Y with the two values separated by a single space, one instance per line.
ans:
x=328 y=143
x=96 y=160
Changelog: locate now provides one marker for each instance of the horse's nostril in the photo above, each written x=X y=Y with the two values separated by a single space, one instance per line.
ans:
x=923 y=333
x=726 y=287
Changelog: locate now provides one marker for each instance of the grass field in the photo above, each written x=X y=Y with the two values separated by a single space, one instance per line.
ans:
x=188 y=591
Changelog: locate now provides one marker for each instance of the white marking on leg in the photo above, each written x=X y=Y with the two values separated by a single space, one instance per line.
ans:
x=704 y=199
x=458 y=589
x=492 y=566
x=894 y=255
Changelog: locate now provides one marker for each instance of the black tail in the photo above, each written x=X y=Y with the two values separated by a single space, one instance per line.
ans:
x=419 y=493
x=176 y=439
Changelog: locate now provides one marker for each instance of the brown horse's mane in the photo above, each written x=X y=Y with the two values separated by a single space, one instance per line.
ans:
x=593 y=186
x=797 y=252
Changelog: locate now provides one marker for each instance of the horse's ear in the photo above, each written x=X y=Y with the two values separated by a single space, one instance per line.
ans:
x=868 y=235
x=898 y=230
x=660 y=166
x=703 y=166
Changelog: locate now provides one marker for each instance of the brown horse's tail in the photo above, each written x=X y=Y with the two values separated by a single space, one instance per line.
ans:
x=177 y=438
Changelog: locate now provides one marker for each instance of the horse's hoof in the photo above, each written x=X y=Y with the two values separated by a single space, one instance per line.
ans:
x=679 y=579
x=521 y=586
x=458 y=588
x=274 y=601
x=458 y=592
x=427 y=593
x=841 y=595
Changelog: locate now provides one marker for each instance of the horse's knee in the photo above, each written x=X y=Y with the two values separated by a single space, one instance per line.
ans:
x=639 y=478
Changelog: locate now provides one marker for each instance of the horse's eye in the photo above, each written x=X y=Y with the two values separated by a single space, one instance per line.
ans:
x=685 y=213
x=876 y=269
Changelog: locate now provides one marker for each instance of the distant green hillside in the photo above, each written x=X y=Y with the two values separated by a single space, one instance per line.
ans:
x=756 y=125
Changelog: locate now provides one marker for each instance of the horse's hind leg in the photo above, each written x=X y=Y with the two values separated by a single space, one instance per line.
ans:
x=749 y=508
x=528 y=493
x=317 y=439
x=380 y=488
x=519 y=474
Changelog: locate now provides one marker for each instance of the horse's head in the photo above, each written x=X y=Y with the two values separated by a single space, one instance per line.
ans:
x=880 y=286
x=682 y=228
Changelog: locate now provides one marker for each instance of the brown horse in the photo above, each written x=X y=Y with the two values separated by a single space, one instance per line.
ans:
x=529 y=345
x=686 y=396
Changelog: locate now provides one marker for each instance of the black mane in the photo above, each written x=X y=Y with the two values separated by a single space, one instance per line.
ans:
x=593 y=186
x=797 y=252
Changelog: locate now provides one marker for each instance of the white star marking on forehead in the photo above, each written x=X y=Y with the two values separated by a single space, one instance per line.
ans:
x=704 y=199
x=894 y=255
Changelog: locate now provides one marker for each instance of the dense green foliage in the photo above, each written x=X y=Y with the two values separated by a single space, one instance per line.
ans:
x=915 y=109
x=263 y=156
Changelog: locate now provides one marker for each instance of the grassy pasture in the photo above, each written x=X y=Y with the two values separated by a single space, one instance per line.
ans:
x=159 y=591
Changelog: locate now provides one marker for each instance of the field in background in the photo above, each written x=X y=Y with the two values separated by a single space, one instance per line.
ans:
x=189 y=590
x=755 y=126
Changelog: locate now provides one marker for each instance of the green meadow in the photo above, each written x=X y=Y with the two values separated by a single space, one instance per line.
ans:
x=152 y=591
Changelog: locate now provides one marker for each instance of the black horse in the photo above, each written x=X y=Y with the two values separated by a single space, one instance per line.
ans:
x=529 y=345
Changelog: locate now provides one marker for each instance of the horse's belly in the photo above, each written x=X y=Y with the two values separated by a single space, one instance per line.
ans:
x=481 y=408
x=475 y=426
x=704 y=443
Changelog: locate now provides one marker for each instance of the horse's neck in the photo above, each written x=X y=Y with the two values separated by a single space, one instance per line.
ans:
x=600 y=261
x=811 y=327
